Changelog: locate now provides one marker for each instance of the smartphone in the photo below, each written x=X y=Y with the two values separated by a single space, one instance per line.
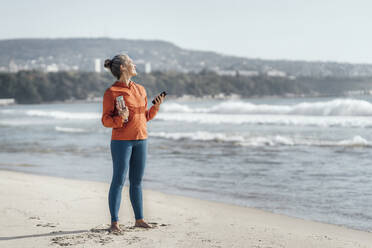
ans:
x=161 y=94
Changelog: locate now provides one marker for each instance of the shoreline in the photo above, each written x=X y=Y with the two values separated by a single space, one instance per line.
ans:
x=43 y=211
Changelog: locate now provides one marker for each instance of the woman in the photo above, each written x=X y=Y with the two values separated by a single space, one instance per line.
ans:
x=129 y=135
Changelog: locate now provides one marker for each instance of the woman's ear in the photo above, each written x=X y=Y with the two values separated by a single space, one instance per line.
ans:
x=122 y=68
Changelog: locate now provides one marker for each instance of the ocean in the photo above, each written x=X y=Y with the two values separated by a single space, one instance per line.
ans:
x=303 y=157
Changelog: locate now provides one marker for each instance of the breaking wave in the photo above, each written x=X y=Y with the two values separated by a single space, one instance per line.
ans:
x=63 y=115
x=70 y=130
x=337 y=107
x=270 y=140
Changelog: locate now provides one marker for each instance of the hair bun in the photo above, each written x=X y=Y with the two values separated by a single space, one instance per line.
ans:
x=108 y=63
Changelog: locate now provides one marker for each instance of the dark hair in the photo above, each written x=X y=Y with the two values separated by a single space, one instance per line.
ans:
x=114 y=64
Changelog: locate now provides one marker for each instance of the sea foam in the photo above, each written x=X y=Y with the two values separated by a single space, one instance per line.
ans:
x=70 y=130
x=64 y=115
x=265 y=119
x=269 y=140
x=337 y=107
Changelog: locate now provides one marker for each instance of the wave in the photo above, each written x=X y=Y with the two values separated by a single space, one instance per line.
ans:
x=201 y=136
x=278 y=120
x=273 y=140
x=335 y=113
x=70 y=130
x=63 y=115
x=337 y=107
x=356 y=141
x=207 y=118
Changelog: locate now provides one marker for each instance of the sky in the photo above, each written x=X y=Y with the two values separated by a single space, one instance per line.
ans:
x=311 y=30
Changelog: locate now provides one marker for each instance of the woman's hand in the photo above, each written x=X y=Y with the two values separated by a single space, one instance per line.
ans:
x=123 y=112
x=159 y=100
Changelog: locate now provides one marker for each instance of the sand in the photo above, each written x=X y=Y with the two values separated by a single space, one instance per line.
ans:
x=42 y=211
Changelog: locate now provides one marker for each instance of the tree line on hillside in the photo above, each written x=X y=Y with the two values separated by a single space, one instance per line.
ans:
x=37 y=87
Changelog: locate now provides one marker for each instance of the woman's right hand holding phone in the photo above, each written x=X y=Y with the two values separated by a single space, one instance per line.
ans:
x=159 y=99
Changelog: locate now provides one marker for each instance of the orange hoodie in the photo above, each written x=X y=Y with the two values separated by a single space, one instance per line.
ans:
x=136 y=101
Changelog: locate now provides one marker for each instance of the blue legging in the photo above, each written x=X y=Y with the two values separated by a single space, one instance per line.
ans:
x=127 y=154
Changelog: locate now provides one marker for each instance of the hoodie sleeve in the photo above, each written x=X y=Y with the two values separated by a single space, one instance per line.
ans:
x=108 y=117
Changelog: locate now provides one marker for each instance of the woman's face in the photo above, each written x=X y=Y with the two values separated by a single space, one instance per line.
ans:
x=131 y=67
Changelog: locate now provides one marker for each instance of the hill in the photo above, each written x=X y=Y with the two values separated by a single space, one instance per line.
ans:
x=83 y=53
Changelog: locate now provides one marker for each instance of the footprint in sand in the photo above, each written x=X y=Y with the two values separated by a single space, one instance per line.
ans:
x=70 y=240
x=47 y=225
x=100 y=234
x=105 y=228
x=34 y=218
x=155 y=224
x=152 y=224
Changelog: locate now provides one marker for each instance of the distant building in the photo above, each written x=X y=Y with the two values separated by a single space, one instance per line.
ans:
x=235 y=73
x=143 y=66
x=51 y=68
x=148 y=67
x=248 y=73
x=276 y=73
x=226 y=72
x=358 y=92
x=7 y=101
x=13 y=67
x=97 y=65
